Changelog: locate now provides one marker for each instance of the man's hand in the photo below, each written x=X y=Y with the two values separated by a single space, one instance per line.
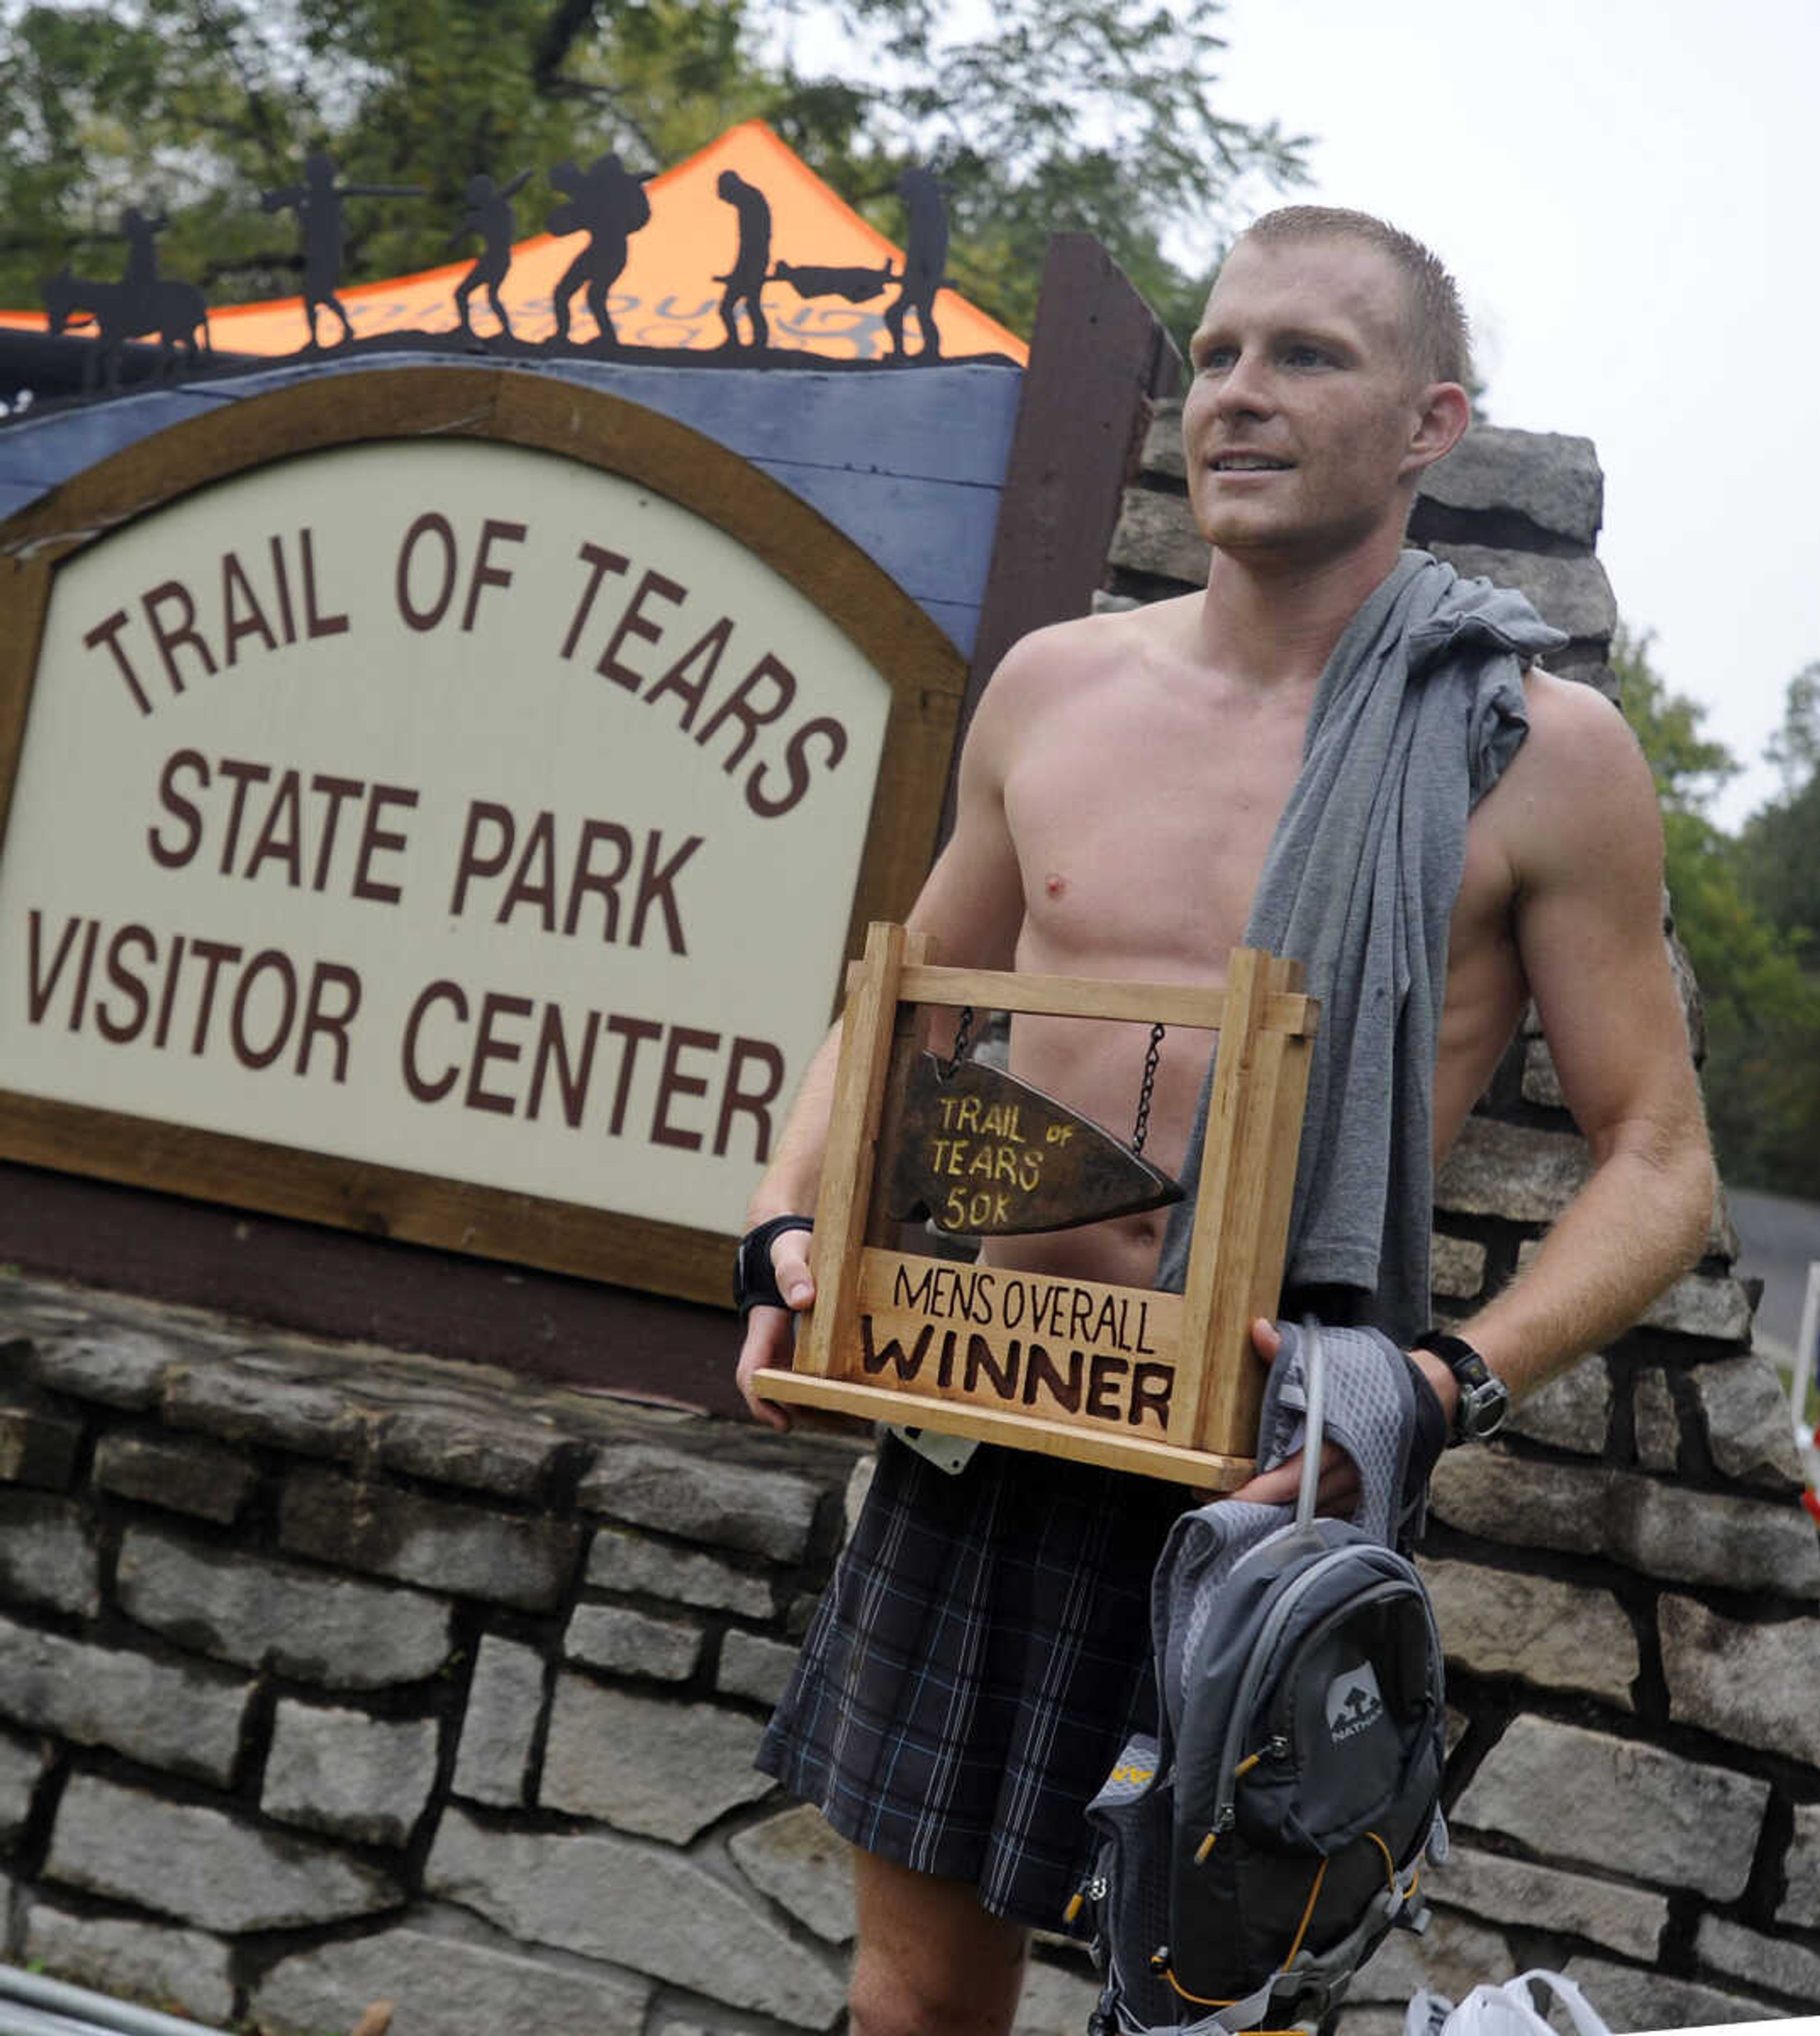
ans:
x=770 y=1334
x=1338 y=1491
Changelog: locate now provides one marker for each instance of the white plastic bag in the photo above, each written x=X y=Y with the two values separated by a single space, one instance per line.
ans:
x=1507 y=2010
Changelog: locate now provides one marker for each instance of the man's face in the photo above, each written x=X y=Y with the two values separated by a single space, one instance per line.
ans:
x=1300 y=419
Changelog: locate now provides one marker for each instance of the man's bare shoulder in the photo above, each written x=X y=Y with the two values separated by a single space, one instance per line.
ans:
x=1574 y=729
x=1092 y=642
x=1580 y=785
x=1088 y=648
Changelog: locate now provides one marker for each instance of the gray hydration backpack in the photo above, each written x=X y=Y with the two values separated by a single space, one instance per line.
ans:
x=1254 y=1852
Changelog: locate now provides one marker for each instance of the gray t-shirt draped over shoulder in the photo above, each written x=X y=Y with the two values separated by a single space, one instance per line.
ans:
x=1417 y=715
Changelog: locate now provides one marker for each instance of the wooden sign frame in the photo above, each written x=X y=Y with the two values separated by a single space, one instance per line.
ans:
x=925 y=673
x=1167 y=1385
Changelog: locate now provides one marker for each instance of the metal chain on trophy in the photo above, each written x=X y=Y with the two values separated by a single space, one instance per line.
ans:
x=963 y=1039
x=1153 y=1054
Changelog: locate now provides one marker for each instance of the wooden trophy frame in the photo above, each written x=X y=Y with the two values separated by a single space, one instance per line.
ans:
x=1167 y=1384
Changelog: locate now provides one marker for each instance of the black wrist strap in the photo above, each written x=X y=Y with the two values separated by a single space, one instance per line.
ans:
x=754 y=1278
x=1431 y=1436
x=1484 y=1398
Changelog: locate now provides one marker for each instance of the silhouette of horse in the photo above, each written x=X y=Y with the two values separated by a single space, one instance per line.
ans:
x=175 y=310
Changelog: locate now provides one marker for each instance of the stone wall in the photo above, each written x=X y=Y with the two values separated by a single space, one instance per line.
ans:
x=1627 y=1585
x=330 y=1674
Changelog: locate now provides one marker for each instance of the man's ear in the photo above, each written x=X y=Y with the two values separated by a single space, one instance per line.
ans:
x=1444 y=412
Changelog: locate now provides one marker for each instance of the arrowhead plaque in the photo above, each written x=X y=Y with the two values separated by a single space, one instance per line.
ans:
x=981 y=1153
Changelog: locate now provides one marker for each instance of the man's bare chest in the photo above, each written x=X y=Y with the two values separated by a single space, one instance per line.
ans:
x=1143 y=835
x=1141 y=831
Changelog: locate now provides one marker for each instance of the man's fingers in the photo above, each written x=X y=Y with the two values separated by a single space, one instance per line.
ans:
x=790 y=1263
x=1266 y=1339
x=770 y=1333
x=767 y=1347
x=1337 y=1492
x=1273 y=1487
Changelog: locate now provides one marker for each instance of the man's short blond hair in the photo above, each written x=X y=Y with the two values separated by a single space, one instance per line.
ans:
x=1440 y=341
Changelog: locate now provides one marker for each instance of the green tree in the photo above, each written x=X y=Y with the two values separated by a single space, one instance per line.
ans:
x=102 y=109
x=1762 y=1010
x=1098 y=116
x=1049 y=113
x=1689 y=769
x=1779 y=845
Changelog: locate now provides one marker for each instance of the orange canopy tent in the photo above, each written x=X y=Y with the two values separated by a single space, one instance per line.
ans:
x=669 y=293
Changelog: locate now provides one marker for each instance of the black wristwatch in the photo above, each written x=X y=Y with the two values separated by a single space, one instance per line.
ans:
x=754 y=1278
x=1484 y=1399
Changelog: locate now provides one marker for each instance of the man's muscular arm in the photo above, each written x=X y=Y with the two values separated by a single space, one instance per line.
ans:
x=1579 y=819
x=973 y=904
x=1576 y=815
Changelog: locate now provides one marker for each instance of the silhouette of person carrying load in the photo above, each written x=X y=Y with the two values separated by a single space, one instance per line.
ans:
x=926 y=256
x=317 y=202
x=489 y=214
x=607 y=203
x=746 y=280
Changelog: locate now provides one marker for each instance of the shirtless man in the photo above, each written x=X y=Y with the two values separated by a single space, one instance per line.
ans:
x=1326 y=378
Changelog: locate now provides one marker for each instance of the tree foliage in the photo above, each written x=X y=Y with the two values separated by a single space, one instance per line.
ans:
x=1762 y=1006
x=1041 y=115
x=1779 y=846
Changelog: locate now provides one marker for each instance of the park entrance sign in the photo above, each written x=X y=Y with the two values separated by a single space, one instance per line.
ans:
x=451 y=831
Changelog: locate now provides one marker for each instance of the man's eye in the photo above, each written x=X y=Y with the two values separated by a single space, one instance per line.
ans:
x=1215 y=360
x=1306 y=357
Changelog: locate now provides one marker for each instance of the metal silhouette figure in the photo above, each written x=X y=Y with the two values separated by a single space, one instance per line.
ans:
x=317 y=202
x=858 y=286
x=141 y=247
x=121 y=312
x=745 y=283
x=926 y=256
x=489 y=214
x=141 y=303
x=853 y=313
x=607 y=203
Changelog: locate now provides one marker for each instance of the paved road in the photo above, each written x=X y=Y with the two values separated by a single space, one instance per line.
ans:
x=1778 y=1237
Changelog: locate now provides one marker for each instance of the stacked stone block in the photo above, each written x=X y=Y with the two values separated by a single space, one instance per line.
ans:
x=1627 y=1586
x=332 y=1675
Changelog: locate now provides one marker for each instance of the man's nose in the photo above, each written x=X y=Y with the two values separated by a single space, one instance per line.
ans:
x=1245 y=388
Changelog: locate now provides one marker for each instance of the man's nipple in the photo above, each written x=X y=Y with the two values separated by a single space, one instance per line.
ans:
x=1055 y=884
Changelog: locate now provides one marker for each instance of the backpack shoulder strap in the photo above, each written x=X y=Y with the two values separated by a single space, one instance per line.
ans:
x=1370 y=1412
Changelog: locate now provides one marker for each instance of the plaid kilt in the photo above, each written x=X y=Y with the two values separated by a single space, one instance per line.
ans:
x=972 y=1672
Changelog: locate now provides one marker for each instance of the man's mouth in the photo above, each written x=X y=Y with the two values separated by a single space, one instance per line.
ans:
x=1249 y=462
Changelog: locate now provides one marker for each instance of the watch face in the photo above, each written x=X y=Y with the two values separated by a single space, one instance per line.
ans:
x=1483 y=1409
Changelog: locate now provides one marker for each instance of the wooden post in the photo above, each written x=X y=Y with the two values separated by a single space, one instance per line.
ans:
x=1241 y=1215
x=867 y=1028
x=1210 y=1325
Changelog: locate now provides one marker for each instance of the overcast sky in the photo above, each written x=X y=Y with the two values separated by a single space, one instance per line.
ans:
x=1627 y=190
